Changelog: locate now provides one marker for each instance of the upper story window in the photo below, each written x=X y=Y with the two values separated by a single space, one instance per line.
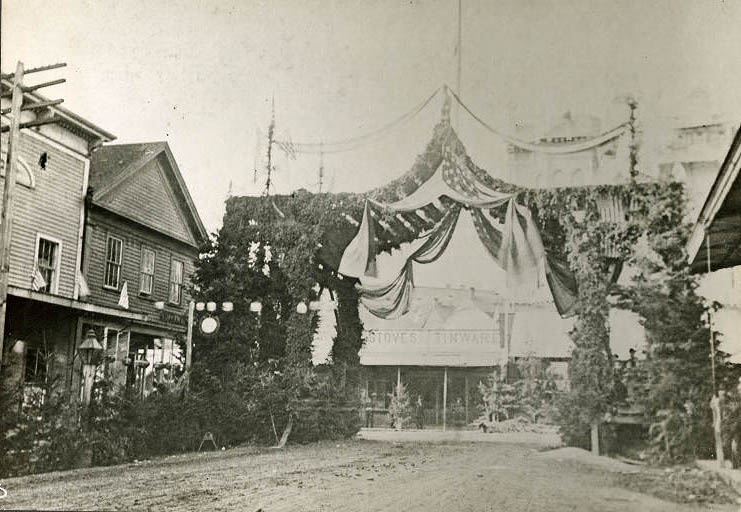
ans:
x=113 y=259
x=146 y=280
x=46 y=274
x=176 y=281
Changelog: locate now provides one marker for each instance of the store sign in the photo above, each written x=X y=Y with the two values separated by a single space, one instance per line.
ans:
x=438 y=347
x=173 y=318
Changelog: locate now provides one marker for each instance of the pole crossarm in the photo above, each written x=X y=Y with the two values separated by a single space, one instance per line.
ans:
x=35 y=106
x=9 y=76
x=31 y=124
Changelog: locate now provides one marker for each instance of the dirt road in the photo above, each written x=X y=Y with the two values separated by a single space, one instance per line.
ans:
x=359 y=475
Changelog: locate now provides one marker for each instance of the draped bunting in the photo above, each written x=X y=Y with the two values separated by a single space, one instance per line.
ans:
x=521 y=253
x=516 y=246
x=392 y=300
x=453 y=179
x=359 y=257
x=562 y=283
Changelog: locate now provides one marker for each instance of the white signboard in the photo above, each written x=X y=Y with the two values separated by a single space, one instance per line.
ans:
x=438 y=347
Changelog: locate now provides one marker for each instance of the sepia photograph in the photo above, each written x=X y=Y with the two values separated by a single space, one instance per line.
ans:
x=370 y=255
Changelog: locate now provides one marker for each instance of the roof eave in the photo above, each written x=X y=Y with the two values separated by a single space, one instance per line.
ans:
x=727 y=176
x=203 y=234
x=92 y=130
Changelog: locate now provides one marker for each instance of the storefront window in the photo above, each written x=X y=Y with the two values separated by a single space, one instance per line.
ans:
x=155 y=362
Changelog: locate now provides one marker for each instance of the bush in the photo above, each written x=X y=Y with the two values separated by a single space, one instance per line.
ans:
x=326 y=421
x=50 y=434
x=533 y=395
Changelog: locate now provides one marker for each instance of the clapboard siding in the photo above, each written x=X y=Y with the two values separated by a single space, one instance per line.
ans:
x=51 y=208
x=101 y=224
x=148 y=197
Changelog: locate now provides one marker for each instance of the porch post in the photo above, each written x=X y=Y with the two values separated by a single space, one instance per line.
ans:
x=445 y=398
x=437 y=405
x=595 y=438
x=465 y=377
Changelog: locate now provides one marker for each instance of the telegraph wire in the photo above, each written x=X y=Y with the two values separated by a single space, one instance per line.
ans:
x=351 y=143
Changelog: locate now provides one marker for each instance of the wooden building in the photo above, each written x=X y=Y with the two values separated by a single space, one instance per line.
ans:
x=104 y=237
x=46 y=247
x=142 y=237
x=450 y=341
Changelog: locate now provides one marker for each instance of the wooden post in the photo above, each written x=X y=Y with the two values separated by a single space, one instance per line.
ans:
x=715 y=407
x=445 y=398
x=505 y=366
x=6 y=217
x=88 y=375
x=595 y=438
x=437 y=405
x=465 y=377
x=398 y=378
x=715 y=401
x=189 y=336
x=189 y=345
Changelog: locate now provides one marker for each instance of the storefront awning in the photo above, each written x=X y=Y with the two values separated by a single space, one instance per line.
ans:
x=75 y=304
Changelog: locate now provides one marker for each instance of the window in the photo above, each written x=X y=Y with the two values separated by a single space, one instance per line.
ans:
x=47 y=265
x=113 y=257
x=146 y=281
x=176 y=281
x=35 y=370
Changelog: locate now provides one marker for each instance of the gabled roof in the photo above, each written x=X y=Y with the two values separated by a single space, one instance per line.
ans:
x=719 y=222
x=113 y=166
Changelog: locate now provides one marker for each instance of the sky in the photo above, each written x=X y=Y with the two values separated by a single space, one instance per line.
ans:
x=202 y=75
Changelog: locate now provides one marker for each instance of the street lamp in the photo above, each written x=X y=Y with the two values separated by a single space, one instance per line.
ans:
x=90 y=352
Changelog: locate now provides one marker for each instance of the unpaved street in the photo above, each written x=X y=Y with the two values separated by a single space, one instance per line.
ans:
x=357 y=475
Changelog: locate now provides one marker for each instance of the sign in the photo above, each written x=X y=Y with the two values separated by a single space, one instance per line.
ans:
x=433 y=347
x=173 y=318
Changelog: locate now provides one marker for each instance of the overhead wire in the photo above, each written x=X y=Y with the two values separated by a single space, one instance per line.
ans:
x=349 y=144
x=577 y=147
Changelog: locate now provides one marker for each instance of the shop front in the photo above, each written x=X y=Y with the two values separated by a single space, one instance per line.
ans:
x=140 y=355
x=440 y=368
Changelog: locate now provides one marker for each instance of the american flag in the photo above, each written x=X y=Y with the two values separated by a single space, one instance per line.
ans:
x=458 y=177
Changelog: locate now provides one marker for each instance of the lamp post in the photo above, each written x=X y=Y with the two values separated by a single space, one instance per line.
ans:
x=90 y=352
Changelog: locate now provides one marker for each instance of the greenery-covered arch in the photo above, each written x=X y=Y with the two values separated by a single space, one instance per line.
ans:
x=310 y=232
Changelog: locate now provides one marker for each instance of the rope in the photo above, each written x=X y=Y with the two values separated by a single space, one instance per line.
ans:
x=539 y=148
x=351 y=143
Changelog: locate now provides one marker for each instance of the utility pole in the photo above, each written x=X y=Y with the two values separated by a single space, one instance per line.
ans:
x=459 y=47
x=16 y=93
